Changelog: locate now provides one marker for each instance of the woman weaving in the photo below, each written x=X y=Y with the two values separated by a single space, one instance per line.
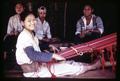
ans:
x=34 y=63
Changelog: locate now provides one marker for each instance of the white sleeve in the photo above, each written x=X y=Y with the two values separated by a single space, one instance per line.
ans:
x=100 y=25
x=48 y=32
x=10 y=25
x=78 y=28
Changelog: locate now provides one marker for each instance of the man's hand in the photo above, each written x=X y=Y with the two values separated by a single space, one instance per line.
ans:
x=87 y=31
x=46 y=40
x=96 y=30
x=82 y=34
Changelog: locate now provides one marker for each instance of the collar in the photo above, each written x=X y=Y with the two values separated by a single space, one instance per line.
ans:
x=38 y=19
x=93 y=15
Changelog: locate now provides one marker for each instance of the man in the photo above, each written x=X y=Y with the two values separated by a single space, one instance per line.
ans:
x=42 y=29
x=89 y=26
x=42 y=26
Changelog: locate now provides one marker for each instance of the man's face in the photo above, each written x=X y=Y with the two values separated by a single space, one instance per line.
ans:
x=87 y=10
x=19 y=8
x=42 y=14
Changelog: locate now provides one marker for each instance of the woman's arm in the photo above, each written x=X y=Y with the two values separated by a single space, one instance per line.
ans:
x=41 y=56
x=36 y=55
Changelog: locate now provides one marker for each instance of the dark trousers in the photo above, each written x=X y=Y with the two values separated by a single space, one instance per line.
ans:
x=10 y=43
x=87 y=38
x=43 y=45
x=9 y=46
x=86 y=57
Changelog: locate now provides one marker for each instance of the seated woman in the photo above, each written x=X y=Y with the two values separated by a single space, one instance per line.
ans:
x=34 y=62
x=13 y=30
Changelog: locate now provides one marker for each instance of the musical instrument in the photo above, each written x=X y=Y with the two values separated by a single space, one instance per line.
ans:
x=107 y=42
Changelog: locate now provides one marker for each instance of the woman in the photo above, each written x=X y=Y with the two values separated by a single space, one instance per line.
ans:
x=34 y=62
x=13 y=29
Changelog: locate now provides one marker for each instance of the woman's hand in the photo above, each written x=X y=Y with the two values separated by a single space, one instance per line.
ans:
x=58 y=57
x=54 y=48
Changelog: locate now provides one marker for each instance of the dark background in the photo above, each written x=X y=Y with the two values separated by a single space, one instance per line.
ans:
x=107 y=10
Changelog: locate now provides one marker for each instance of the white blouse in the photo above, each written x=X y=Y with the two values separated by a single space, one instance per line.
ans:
x=42 y=29
x=14 y=24
x=25 y=39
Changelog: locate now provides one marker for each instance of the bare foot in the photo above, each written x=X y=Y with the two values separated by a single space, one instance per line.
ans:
x=97 y=64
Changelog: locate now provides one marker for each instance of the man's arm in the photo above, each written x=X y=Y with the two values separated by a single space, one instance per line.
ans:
x=48 y=32
x=78 y=28
x=100 y=27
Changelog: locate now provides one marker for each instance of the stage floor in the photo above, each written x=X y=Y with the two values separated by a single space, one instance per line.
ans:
x=16 y=72
x=95 y=74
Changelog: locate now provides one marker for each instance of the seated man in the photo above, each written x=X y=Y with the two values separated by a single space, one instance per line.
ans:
x=14 y=28
x=89 y=26
x=42 y=29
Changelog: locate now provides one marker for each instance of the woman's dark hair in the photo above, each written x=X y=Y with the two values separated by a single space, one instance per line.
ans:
x=24 y=15
x=19 y=2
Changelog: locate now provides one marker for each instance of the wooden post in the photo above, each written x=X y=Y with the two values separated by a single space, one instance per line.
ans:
x=112 y=59
x=65 y=13
x=103 y=59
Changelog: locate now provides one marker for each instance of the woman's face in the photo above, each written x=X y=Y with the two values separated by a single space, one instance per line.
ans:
x=29 y=22
x=19 y=8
